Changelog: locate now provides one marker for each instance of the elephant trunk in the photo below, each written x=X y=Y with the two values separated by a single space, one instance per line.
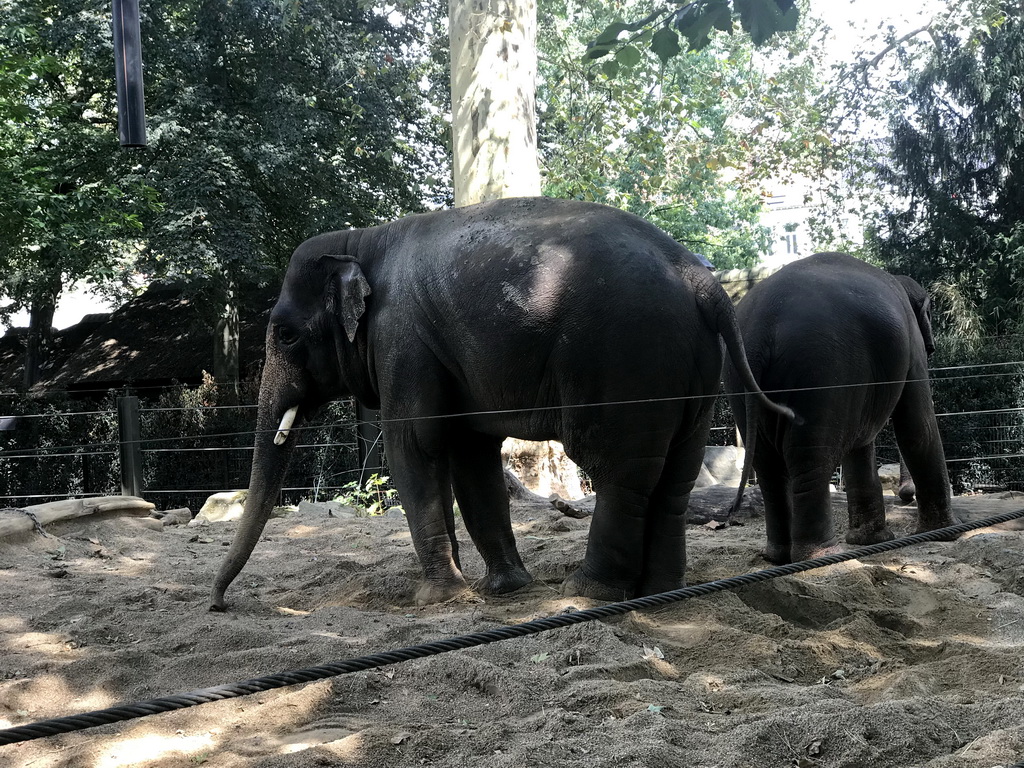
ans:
x=273 y=450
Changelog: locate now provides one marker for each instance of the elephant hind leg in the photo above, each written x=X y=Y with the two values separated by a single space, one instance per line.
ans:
x=812 y=527
x=865 y=506
x=917 y=434
x=664 y=560
x=613 y=565
x=773 y=480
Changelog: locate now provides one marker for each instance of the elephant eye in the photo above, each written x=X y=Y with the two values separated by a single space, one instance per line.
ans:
x=286 y=335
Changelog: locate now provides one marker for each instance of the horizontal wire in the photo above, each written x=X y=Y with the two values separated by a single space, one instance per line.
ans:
x=536 y=409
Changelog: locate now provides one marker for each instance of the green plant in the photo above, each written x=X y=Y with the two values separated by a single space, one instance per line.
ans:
x=373 y=495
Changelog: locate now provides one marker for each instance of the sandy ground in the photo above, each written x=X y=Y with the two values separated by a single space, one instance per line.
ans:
x=910 y=659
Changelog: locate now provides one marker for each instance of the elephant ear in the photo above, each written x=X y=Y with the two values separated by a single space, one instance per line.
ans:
x=350 y=292
x=922 y=305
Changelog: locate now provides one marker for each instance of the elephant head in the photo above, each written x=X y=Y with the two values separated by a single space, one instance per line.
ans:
x=922 y=305
x=315 y=352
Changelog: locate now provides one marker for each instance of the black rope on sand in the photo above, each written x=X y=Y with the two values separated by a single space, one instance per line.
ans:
x=45 y=728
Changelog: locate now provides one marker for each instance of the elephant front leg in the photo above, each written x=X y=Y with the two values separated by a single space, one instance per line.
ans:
x=479 y=484
x=419 y=465
x=864 y=502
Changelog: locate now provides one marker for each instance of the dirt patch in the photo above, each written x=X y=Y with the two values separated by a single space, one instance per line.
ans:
x=910 y=659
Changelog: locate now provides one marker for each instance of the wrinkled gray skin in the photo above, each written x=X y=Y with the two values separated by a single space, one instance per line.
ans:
x=812 y=328
x=525 y=316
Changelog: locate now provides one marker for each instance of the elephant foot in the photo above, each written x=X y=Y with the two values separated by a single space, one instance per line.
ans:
x=868 y=534
x=579 y=584
x=776 y=554
x=504 y=581
x=933 y=522
x=800 y=552
x=906 y=492
x=657 y=586
x=430 y=592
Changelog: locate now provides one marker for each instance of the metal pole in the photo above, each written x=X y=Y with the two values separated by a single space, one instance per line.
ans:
x=131 y=105
x=130 y=436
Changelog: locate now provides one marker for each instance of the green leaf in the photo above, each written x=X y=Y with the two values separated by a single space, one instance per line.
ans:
x=695 y=22
x=764 y=18
x=610 y=68
x=665 y=43
x=611 y=33
x=628 y=56
x=789 y=20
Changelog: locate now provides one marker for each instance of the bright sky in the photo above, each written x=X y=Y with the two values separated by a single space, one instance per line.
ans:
x=854 y=20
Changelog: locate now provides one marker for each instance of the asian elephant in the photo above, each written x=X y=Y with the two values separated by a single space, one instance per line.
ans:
x=845 y=345
x=535 y=318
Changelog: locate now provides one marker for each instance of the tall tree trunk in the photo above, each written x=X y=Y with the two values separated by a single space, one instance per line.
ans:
x=494 y=138
x=39 y=343
x=494 y=116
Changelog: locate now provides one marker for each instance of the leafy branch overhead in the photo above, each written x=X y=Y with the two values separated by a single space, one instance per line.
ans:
x=671 y=30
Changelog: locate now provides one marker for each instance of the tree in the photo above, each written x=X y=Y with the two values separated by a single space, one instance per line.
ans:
x=493 y=82
x=687 y=143
x=688 y=26
x=69 y=210
x=270 y=123
x=956 y=166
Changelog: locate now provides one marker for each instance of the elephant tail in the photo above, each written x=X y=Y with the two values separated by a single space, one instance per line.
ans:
x=749 y=440
x=721 y=316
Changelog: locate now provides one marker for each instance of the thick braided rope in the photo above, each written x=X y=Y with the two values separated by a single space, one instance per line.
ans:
x=45 y=728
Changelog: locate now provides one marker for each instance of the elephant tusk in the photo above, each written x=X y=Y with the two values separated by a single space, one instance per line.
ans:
x=286 y=424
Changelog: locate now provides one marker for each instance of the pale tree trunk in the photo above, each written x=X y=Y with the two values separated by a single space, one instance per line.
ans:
x=225 y=347
x=494 y=116
x=494 y=138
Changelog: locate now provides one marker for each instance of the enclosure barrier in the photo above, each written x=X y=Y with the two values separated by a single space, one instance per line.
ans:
x=68 y=724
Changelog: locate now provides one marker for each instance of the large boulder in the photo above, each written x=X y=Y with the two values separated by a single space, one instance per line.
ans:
x=889 y=474
x=221 y=507
x=724 y=463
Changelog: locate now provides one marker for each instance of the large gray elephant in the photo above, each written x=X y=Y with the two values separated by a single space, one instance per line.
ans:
x=845 y=345
x=534 y=318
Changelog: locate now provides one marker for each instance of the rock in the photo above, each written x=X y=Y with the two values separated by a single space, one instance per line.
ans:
x=724 y=463
x=221 y=507
x=327 y=508
x=715 y=501
x=889 y=474
x=147 y=522
x=395 y=513
x=705 y=478
x=180 y=516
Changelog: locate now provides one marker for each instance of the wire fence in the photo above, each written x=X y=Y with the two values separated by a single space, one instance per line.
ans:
x=193 y=446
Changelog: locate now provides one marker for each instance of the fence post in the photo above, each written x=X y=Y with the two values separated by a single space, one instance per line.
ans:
x=130 y=436
x=368 y=438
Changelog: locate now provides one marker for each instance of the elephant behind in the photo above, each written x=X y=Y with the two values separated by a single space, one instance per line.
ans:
x=532 y=318
x=845 y=345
